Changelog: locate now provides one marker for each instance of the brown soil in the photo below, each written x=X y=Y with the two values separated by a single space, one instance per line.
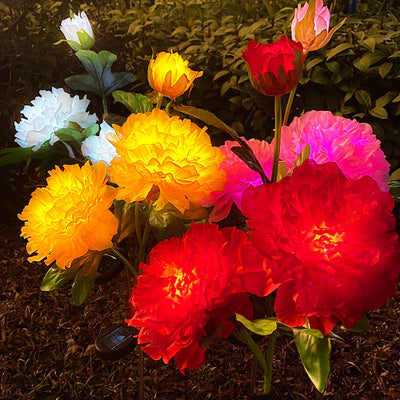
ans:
x=47 y=351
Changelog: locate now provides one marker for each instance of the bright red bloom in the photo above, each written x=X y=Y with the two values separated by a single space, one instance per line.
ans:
x=188 y=289
x=274 y=68
x=330 y=244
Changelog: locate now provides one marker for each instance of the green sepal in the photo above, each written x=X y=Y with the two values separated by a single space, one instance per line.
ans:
x=314 y=354
x=69 y=135
x=263 y=326
x=360 y=326
x=134 y=102
x=86 y=41
x=99 y=78
x=55 y=277
x=303 y=156
x=75 y=46
x=91 y=130
x=85 y=277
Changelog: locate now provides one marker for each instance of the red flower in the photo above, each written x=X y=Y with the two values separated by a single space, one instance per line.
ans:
x=274 y=68
x=186 y=292
x=328 y=244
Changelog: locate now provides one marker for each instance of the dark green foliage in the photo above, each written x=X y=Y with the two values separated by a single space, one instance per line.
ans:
x=356 y=75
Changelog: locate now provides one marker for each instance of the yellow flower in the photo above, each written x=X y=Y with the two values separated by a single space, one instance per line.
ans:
x=166 y=157
x=70 y=216
x=170 y=75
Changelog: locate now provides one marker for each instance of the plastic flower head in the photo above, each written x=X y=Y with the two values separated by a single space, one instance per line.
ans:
x=78 y=32
x=310 y=25
x=97 y=148
x=170 y=75
x=274 y=68
x=187 y=291
x=70 y=216
x=238 y=177
x=174 y=155
x=49 y=112
x=330 y=244
x=350 y=144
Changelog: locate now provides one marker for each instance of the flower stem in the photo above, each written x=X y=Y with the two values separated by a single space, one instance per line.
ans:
x=145 y=236
x=105 y=107
x=137 y=223
x=289 y=106
x=159 y=100
x=269 y=359
x=277 y=146
x=124 y=260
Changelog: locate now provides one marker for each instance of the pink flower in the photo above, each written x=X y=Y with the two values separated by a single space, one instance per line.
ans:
x=350 y=144
x=239 y=177
x=312 y=30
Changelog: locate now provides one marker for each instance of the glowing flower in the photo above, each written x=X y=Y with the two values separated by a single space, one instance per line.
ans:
x=51 y=111
x=97 y=148
x=329 y=242
x=78 y=32
x=310 y=25
x=174 y=155
x=350 y=144
x=70 y=216
x=274 y=68
x=238 y=177
x=186 y=293
x=170 y=75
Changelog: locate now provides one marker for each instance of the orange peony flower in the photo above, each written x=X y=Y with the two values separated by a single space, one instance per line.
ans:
x=70 y=216
x=170 y=157
x=170 y=75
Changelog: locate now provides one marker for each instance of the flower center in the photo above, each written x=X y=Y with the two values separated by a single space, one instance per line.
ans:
x=322 y=239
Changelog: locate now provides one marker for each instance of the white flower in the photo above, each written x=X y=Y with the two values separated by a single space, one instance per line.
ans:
x=78 y=31
x=98 y=148
x=51 y=111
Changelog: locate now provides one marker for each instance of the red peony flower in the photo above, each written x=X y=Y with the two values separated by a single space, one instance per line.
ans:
x=274 y=68
x=188 y=290
x=328 y=242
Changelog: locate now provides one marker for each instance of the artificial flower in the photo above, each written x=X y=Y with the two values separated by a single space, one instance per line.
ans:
x=274 y=68
x=70 y=216
x=310 y=25
x=329 y=242
x=49 y=112
x=187 y=291
x=78 y=32
x=97 y=147
x=170 y=75
x=238 y=177
x=350 y=144
x=166 y=155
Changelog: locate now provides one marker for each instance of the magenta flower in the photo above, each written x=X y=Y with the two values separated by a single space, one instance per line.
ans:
x=239 y=177
x=350 y=144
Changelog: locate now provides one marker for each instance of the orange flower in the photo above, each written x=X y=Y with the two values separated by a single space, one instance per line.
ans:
x=170 y=157
x=70 y=216
x=170 y=75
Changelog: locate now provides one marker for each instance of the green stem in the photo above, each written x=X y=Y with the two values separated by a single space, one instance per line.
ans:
x=159 y=100
x=277 y=146
x=137 y=223
x=105 y=107
x=124 y=260
x=145 y=236
x=289 y=106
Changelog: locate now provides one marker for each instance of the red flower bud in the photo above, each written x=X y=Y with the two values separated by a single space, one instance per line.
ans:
x=274 y=68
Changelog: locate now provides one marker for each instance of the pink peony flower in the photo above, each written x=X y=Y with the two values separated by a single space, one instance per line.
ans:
x=350 y=144
x=239 y=177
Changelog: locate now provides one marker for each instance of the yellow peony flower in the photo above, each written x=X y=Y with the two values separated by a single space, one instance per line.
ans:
x=170 y=157
x=170 y=75
x=70 y=216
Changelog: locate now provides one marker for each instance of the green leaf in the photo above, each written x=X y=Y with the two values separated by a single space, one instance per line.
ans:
x=338 y=49
x=165 y=225
x=314 y=355
x=134 y=102
x=363 y=63
x=220 y=74
x=69 y=135
x=369 y=43
x=13 y=155
x=384 y=69
x=395 y=176
x=313 y=332
x=90 y=131
x=85 y=277
x=385 y=99
x=263 y=326
x=360 y=326
x=364 y=98
x=55 y=277
x=99 y=78
x=379 y=112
